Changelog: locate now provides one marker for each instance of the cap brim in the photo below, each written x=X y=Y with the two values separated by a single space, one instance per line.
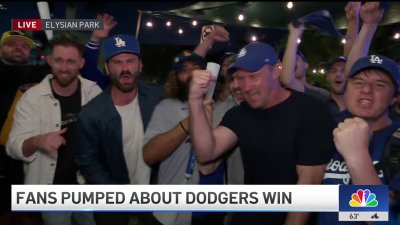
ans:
x=122 y=51
x=244 y=66
x=24 y=39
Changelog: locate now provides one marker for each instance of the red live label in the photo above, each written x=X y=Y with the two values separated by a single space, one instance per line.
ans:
x=26 y=24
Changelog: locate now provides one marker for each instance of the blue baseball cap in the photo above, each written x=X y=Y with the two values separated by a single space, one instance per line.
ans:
x=253 y=56
x=121 y=43
x=377 y=62
x=335 y=60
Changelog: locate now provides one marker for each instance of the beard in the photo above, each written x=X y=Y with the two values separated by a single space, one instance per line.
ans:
x=64 y=81
x=183 y=90
x=125 y=88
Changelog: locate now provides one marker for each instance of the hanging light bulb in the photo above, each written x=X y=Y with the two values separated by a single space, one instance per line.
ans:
x=149 y=24
x=180 y=31
x=344 y=41
x=241 y=17
x=314 y=71
x=289 y=5
x=397 y=36
x=168 y=23
x=254 y=38
x=194 y=23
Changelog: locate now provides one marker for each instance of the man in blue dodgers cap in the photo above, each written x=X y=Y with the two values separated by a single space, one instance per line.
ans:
x=361 y=138
x=277 y=146
x=112 y=126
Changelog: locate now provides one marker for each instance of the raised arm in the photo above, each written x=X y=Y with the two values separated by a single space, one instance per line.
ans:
x=218 y=34
x=209 y=144
x=352 y=139
x=91 y=53
x=371 y=15
x=287 y=77
x=352 y=10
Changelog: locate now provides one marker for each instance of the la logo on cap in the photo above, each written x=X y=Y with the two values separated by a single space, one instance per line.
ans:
x=119 y=42
x=375 y=59
x=242 y=52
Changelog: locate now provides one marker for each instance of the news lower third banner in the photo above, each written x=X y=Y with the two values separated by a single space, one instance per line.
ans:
x=355 y=202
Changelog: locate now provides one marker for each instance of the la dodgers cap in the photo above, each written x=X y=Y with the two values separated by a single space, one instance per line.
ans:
x=120 y=43
x=253 y=56
x=379 y=62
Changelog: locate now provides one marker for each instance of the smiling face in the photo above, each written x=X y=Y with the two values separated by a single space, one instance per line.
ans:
x=336 y=78
x=258 y=87
x=65 y=62
x=369 y=94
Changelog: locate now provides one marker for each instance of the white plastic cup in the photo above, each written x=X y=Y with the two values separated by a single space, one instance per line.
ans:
x=214 y=68
x=44 y=13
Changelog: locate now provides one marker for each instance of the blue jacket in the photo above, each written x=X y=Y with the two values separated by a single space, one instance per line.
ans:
x=100 y=157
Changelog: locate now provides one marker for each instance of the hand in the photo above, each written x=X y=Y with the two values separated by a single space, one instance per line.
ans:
x=352 y=137
x=199 y=84
x=371 y=13
x=298 y=31
x=109 y=23
x=219 y=34
x=50 y=142
x=352 y=10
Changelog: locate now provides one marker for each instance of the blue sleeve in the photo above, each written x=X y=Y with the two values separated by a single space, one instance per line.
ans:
x=90 y=70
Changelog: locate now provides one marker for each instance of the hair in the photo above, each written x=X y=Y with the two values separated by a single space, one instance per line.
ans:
x=68 y=40
x=175 y=89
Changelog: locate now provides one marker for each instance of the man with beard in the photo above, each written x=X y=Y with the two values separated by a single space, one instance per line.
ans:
x=111 y=127
x=43 y=135
x=167 y=138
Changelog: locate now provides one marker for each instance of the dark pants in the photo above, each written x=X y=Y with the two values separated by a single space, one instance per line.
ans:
x=122 y=218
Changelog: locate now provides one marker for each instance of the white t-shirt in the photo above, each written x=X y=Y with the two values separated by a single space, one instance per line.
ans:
x=132 y=139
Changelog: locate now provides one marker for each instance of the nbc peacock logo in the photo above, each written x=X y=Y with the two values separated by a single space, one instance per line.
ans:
x=363 y=198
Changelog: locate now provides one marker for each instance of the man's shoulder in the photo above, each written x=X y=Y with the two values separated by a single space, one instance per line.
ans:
x=96 y=103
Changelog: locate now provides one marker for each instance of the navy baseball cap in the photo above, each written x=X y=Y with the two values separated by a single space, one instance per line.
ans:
x=335 y=60
x=253 y=56
x=377 y=62
x=187 y=56
x=121 y=43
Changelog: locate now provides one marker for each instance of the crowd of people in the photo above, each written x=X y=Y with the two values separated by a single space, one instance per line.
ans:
x=67 y=122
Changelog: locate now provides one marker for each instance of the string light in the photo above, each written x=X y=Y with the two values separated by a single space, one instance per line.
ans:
x=314 y=71
x=344 y=41
x=241 y=17
x=168 y=23
x=322 y=71
x=397 y=36
x=149 y=24
x=289 y=5
x=180 y=31
x=298 y=40
x=194 y=23
x=254 y=38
